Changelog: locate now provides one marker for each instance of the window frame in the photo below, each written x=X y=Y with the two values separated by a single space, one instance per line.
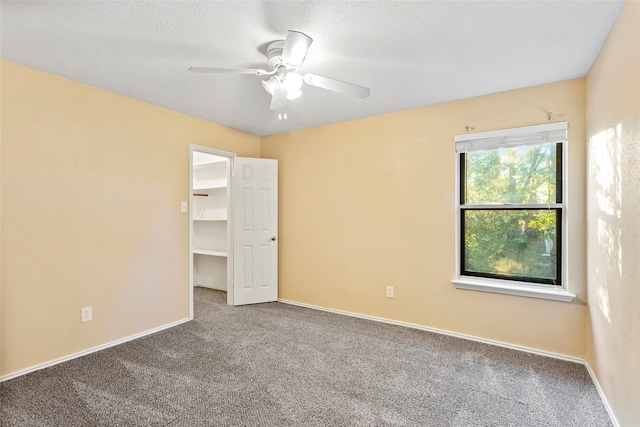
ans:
x=521 y=286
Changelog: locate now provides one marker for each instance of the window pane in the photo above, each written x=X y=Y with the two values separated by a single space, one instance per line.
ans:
x=511 y=243
x=518 y=175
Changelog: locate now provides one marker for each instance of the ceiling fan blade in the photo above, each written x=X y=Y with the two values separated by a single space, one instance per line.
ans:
x=295 y=48
x=279 y=98
x=253 y=71
x=337 y=86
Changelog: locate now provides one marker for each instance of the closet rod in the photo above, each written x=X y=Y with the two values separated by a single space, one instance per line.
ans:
x=200 y=195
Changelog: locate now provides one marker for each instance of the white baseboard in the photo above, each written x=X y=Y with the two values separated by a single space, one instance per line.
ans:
x=89 y=351
x=605 y=402
x=440 y=331
x=472 y=338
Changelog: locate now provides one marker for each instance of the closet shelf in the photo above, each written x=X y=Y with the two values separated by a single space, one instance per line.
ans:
x=210 y=187
x=210 y=219
x=210 y=162
x=209 y=252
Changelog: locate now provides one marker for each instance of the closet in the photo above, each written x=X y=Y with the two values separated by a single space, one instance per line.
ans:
x=209 y=210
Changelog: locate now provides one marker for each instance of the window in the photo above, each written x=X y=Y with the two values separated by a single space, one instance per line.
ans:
x=510 y=209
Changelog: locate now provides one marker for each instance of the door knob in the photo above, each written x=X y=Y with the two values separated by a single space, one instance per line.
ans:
x=273 y=238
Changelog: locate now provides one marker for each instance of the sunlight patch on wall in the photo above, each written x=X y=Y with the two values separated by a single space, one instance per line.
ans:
x=605 y=168
x=603 y=302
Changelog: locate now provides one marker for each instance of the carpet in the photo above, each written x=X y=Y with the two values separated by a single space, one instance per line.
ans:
x=280 y=365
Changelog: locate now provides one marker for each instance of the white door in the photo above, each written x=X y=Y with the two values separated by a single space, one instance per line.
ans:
x=255 y=230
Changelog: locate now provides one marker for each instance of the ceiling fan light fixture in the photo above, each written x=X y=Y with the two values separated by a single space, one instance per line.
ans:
x=292 y=81
x=293 y=94
x=270 y=85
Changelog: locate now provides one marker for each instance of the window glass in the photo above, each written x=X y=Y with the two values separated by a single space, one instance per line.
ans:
x=514 y=244
x=515 y=175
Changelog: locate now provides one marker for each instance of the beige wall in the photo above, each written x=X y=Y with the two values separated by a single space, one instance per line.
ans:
x=613 y=131
x=91 y=189
x=370 y=203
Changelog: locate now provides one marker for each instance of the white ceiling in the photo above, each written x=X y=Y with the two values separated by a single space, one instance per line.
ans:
x=410 y=54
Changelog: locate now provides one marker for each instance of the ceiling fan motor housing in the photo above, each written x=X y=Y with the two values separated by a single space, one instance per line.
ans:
x=274 y=54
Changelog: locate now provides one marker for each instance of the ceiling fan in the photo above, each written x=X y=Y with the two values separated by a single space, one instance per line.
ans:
x=285 y=57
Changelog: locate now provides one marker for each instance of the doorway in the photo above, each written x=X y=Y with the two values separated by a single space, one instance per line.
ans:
x=233 y=226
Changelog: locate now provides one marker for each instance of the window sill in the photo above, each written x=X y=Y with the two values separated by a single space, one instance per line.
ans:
x=512 y=288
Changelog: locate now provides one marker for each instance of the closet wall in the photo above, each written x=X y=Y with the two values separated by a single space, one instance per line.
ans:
x=209 y=208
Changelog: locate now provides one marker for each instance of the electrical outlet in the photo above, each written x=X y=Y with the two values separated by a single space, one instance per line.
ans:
x=86 y=314
x=183 y=206
x=389 y=291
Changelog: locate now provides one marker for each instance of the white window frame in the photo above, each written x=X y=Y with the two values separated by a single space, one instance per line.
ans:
x=513 y=137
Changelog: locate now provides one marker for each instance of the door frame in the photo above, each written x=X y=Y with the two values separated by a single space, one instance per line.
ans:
x=230 y=156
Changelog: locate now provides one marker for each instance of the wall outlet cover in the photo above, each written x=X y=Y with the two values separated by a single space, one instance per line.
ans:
x=86 y=314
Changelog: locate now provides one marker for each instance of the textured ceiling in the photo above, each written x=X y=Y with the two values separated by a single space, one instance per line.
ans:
x=410 y=54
